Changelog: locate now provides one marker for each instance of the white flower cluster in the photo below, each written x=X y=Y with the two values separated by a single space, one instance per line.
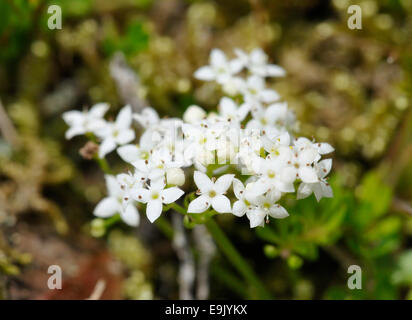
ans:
x=249 y=135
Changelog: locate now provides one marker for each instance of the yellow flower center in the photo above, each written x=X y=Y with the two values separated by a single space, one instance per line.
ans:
x=212 y=193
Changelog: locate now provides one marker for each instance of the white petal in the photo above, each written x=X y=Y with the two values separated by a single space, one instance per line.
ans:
x=223 y=183
x=239 y=208
x=217 y=58
x=73 y=117
x=258 y=56
x=235 y=65
x=199 y=205
x=227 y=106
x=108 y=145
x=124 y=118
x=273 y=70
x=170 y=195
x=154 y=210
x=308 y=174
x=256 y=218
x=113 y=186
x=273 y=195
x=327 y=190
x=278 y=212
x=243 y=111
x=74 y=131
x=130 y=216
x=125 y=136
x=322 y=190
x=221 y=204
x=324 y=167
x=202 y=181
x=158 y=184
x=141 y=195
x=256 y=82
x=147 y=117
x=308 y=156
x=157 y=174
x=99 y=109
x=129 y=153
x=147 y=140
x=317 y=190
x=107 y=207
x=285 y=186
x=283 y=139
x=325 y=148
x=95 y=125
x=276 y=111
x=205 y=73
x=238 y=188
x=304 y=191
x=260 y=187
x=269 y=95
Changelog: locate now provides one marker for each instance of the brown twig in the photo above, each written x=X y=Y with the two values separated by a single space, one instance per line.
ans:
x=344 y=258
x=186 y=275
x=98 y=290
x=7 y=128
x=127 y=82
x=207 y=249
x=402 y=206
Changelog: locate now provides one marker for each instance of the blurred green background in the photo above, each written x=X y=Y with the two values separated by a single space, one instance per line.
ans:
x=351 y=88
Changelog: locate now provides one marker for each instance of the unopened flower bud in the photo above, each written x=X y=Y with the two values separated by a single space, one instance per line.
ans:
x=194 y=114
x=175 y=176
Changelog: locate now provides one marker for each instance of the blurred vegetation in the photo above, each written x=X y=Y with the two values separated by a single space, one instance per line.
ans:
x=351 y=88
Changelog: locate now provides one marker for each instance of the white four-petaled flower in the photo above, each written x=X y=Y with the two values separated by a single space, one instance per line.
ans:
x=212 y=193
x=117 y=201
x=220 y=69
x=155 y=196
x=82 y=122
x=116 y=133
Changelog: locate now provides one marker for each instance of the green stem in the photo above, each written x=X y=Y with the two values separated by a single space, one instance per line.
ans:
x=112 y=220
x=236 y=259
x=102 y=162
x=229 y=280
x=164 y=226
x=177 y=208
x=231 y=254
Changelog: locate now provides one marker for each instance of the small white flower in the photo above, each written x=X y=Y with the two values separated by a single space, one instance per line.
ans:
x=132 y=153
x=231 y=112
x=211 y=193
x=245 y=197
x=194 y=114
x=117 y=201
x=220 y=69
x=202 y=140
x=156 y=196
x=148 y=117
x=175 y=176
x=254 y=91
x=257 y=63
x=322 y=148
x=274 y=176
x=232 y=85
x=301 y=162
x=278 y=147
x=82 y=122
x=266 y=206
x=320 y=189
x=273 y=120
x=117 y=133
